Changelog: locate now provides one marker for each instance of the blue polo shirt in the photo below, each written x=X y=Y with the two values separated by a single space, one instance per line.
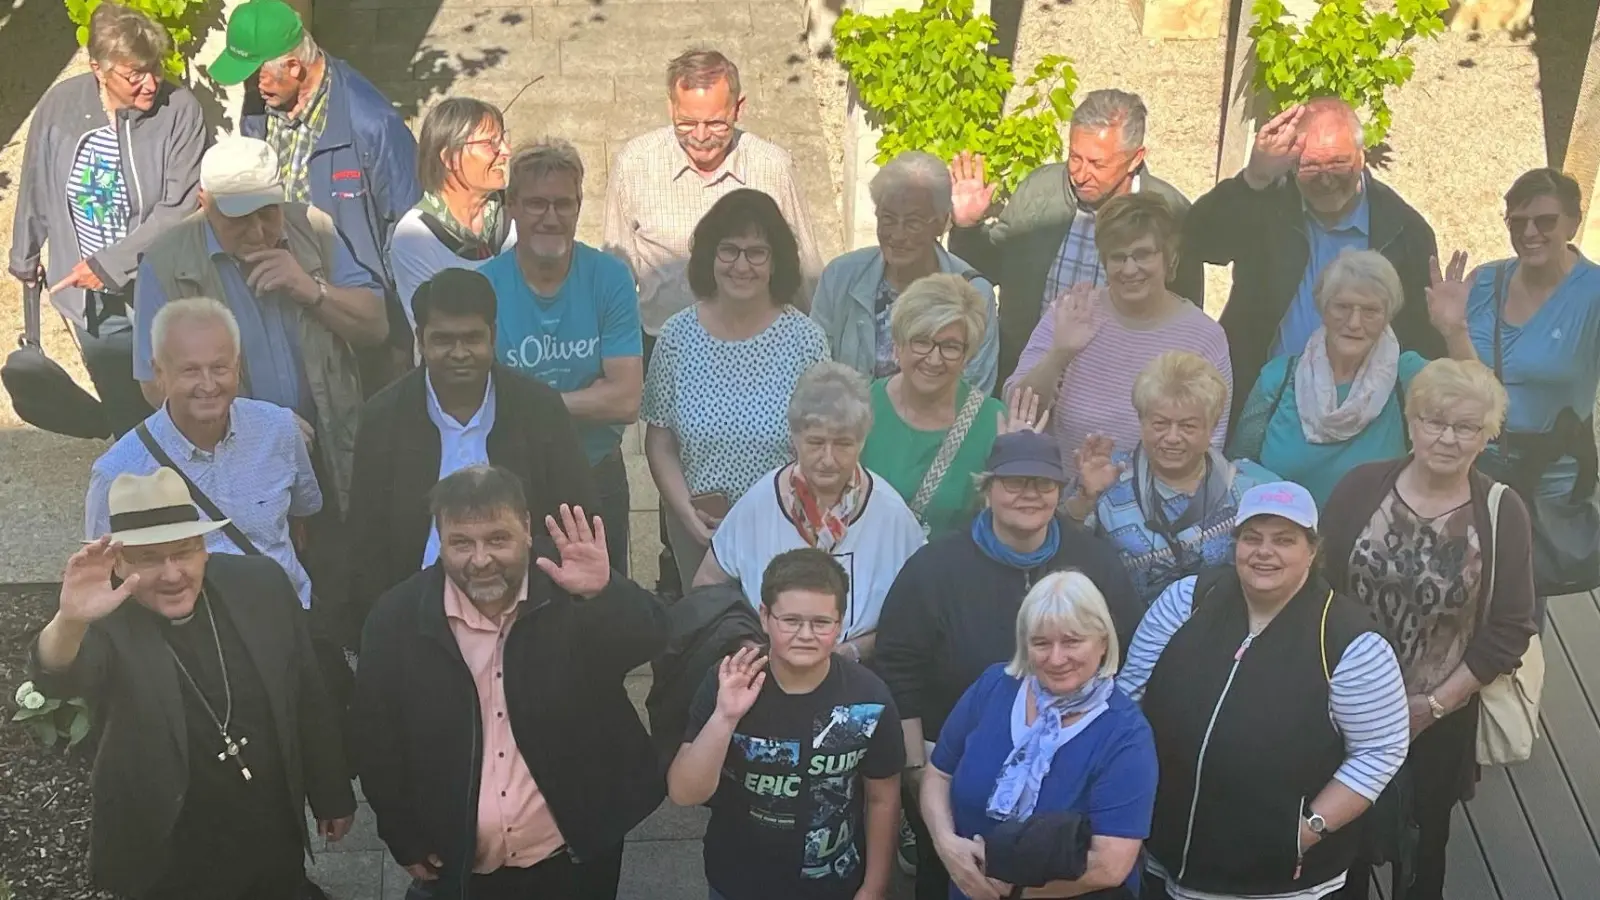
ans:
x=565 y=340
x=1350 y=233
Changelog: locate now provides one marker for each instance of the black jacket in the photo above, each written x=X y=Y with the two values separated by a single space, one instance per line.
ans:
x=141 y=772
x=418 y=732
x=397 y=463
x=1018 y=249
x=952 y=612
x=1263 y=235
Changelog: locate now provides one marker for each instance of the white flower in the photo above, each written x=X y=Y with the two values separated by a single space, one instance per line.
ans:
x=23 y=690
x=34 y=700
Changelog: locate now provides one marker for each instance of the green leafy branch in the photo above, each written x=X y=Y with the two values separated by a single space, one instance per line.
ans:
x=927 y=80
x=176 y=16
x=1345 y=51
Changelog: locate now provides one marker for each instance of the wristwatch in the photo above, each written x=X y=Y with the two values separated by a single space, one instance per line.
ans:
x=1436 y=707
x=322 y=292
x=1317 y=824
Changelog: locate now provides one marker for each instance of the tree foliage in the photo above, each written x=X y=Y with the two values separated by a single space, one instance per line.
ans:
x=177 y=16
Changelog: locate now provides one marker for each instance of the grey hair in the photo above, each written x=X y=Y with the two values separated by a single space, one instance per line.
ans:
x=305 y=53
x=476 y=493
x=203 y=310
x=444 y=135
x=1109 y=107
x=1069 y=601
x=542 y=157
x=913 y=170
x=701 y=69
x=831 y=395
x=1364 y=271
x=120 y=34
x=1318 y=109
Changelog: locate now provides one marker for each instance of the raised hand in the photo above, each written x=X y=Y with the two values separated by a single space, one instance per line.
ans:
x=971 y=194
x=86 y=591
x=1277 y=148
x=1096 y=470
x=1022 y=412
x=585 y=566
x=739 y=681
x=1447 y=294
x=1075 y=321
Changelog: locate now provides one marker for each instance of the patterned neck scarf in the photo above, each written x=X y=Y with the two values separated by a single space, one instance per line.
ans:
x=470 y=244
x=1016 y=791
x=823 y=528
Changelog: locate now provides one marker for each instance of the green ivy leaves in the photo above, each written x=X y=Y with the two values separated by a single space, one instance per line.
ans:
x=173 y=15
x=1345 y=51
x=927 y=80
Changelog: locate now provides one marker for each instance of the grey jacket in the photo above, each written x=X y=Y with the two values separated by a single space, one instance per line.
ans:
x=845 y=305
x=161 y=151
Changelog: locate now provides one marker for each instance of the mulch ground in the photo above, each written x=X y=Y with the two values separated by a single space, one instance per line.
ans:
x=44 y=793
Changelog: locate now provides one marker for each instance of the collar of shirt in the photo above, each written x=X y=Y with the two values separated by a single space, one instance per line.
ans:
x=1358 y=220
x=1134 y=186
x=460 y=609
x=732 y=164
x=166 y=433
x=483 y=418
x=309 y=111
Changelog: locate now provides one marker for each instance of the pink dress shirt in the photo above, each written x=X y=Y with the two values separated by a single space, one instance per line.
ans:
x=515 y=827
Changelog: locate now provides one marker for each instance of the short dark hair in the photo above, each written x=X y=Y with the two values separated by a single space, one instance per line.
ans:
x=477 y=492
x=455 y=292
x=1536 y=183
x=738 y=214
x=806 y=569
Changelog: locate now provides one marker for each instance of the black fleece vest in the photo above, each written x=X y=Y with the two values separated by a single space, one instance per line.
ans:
x=1270 y=750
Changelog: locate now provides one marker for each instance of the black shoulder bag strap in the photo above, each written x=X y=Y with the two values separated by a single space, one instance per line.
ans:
x=233 y=531
x=1499 y=318
x=31 y=303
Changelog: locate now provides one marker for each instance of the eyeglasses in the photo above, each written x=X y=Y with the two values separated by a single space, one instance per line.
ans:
x=1464 y=431
x=1141 y=257
x=137 y=78
x=565 y=207
x=1017 y=484
x=821 y=626
x=498 y=143
x=1545 y=223
x=907 y=224
x=1343 y=312
x=718 y=127
x=755 y=253
x=949 y=351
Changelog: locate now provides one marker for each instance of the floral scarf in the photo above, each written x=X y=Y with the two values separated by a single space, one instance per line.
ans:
x=466 y=243
x=823 y=528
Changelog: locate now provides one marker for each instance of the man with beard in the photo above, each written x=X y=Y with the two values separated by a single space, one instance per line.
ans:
x=1041 y=244
x=341 y=145
x=569 y=317
x=495 y=740
x=458 y=410
x=1305 y=197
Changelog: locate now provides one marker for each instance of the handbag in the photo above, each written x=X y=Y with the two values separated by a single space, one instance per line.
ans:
x=953 y=439
x=42 y=392
x=1508 y=708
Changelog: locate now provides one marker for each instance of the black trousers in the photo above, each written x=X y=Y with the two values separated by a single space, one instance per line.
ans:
x=668 y=579
x=253 y=873
x=107 y=350
x=611 y=480
x=1441 y=760
x=933 y=882
x=557 y=878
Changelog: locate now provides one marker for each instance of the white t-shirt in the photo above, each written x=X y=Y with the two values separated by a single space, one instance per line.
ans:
x=416 y=255
x=875 y=546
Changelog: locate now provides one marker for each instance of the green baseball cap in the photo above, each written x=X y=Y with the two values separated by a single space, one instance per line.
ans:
x=258 y=31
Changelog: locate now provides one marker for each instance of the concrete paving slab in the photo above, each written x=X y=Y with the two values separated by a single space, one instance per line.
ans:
x=662 y=870
x=349 y=876
x=673 y=823
x=363 y=834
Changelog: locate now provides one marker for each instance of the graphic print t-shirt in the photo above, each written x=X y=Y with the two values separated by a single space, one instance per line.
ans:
x=787 y=819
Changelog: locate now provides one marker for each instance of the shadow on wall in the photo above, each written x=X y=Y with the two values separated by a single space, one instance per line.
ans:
x=1562 y=31
x=37 y=41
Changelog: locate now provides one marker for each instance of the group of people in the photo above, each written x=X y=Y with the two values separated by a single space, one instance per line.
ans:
x=1079 y=594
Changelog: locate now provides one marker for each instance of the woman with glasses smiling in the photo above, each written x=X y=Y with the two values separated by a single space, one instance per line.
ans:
x=1449 y=581
x=911 y=195
x=716 y=394
x=1314 y=416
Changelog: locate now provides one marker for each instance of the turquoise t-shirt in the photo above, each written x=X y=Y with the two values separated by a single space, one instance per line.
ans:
x=1318 y=467
x=564 y=340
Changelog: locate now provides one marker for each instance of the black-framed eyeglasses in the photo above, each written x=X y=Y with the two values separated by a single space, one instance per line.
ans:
x=565 y=207
x=1545 y=223
x=949 y=351
x=821 y=626
x=756 y=254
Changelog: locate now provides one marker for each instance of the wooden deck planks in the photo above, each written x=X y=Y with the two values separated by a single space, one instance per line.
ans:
x=1466 y=874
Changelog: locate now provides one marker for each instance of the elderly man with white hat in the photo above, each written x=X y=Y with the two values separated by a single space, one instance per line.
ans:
x=216 y=728
x=301 y=300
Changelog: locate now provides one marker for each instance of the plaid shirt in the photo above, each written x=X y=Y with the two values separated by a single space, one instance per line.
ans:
x=295 y=138
x=1078 y=260
x=655 y=199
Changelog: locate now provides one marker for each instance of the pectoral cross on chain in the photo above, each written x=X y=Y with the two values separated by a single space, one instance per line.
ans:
x=233 y=751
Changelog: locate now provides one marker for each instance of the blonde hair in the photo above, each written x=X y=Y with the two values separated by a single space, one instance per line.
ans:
x=190 y=309
x=1183 y=378
x=1069 y=601
x=1363 y=271
x=120 y=34
x=1445 y=382
x=934 y=302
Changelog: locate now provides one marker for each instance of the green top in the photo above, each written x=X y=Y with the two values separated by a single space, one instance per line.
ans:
x=902 y=455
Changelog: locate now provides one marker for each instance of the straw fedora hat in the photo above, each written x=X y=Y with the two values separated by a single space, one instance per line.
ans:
x=154 y=509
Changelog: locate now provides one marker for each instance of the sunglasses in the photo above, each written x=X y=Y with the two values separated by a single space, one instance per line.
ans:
x=1545 y=223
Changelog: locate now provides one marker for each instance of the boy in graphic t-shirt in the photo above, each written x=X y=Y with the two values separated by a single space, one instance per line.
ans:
x=799 y=763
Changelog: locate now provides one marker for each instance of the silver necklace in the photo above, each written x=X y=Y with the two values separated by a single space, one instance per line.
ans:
x=230 y=746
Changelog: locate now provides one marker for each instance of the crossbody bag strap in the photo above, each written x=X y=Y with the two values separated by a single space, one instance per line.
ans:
x=953 y=439
x=1283 y=386
x=1496 y=494
x=198 y=496
x=1499 y=318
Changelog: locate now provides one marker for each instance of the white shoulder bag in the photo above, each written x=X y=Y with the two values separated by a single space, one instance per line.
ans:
x=1508 y=714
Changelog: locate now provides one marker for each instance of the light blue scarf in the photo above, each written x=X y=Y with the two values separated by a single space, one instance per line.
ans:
x=1017 y=790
